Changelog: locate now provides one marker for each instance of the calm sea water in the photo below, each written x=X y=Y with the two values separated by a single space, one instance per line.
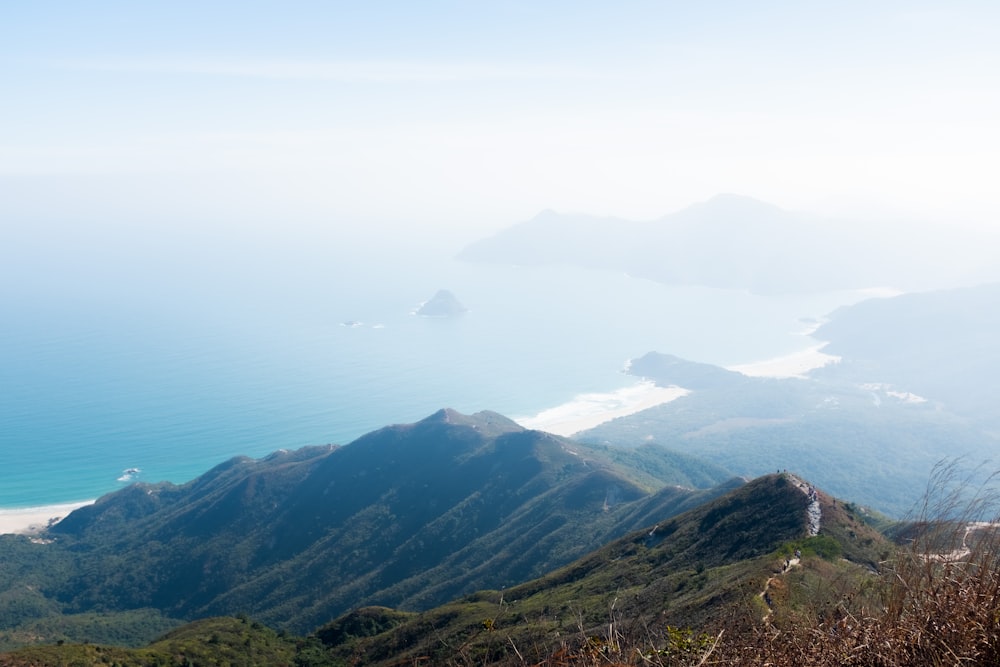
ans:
x=176 y=374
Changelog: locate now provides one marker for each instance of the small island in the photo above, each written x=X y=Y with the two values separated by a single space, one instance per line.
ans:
x=443 y=304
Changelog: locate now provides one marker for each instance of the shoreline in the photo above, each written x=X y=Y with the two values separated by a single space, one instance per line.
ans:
x=33 y=520
x=586 y=411
x=583 y=412
x=794 y=365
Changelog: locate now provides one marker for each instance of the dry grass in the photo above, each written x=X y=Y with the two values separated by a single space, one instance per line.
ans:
x=936 y=602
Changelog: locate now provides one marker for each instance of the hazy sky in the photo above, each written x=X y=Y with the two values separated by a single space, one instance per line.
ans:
x=470 y=116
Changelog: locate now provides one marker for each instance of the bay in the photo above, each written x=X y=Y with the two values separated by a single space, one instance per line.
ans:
x=173 y=374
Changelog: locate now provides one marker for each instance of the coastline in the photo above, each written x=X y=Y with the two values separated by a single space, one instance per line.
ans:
x=589 y=410
x=33 y=520
x=794 y=365
x=584 y=412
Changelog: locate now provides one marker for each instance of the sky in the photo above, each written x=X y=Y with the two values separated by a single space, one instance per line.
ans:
x=461 y=118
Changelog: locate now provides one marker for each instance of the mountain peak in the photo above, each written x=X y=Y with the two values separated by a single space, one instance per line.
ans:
x=698 y=568
x=730 y=209
x=409 y=515
x=485 y=421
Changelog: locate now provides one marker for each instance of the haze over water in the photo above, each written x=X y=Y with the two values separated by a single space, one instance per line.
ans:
x=195 y=196
x=171 y=376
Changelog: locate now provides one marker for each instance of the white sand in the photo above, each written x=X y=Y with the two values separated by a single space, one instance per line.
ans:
x=795 y=365
x=32 y=520
x=589 y=410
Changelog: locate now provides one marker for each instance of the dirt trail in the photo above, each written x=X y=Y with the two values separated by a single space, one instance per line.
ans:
x=964 y=550
x=765 y=594
x=815 y=515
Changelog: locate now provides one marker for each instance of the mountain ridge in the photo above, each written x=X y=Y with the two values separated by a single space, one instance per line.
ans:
x=692 y=570
x=408 y=515
x=740 y=579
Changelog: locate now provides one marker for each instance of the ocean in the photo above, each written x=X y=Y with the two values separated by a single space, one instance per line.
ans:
x=107 y=381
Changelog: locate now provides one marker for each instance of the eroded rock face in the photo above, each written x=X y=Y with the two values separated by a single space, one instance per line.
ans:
x=443 y=304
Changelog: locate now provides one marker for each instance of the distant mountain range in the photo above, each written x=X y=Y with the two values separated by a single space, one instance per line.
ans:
x=731 y=242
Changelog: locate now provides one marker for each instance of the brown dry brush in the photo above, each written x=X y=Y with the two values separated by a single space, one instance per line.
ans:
x=942 y=593
x=935 y=602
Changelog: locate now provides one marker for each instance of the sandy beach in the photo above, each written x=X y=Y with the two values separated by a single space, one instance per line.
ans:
x=589 y=410
x=583 y=412
x=795 y=365
x=32 y=520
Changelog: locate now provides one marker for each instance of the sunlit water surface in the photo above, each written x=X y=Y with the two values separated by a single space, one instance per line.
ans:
x=170 y=379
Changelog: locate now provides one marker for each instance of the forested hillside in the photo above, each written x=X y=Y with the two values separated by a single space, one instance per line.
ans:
x=912 y=385
x=408 y=516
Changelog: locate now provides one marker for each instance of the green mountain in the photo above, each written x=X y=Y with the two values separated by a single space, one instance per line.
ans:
x=408 y=516
x=731 y=557
x=469 y=540
x=212 y=641
x=773 y=572
x=915 y=385
x=847 y=429
x=697 y=570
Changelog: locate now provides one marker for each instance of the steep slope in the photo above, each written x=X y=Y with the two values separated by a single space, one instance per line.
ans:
x=697 y=569
x=857 y=440
x=410 y=515
x=744 y=561
x=773 y=573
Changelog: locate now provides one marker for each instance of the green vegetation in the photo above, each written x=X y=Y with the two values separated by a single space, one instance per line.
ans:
x=664 y=466
x=855 y=442
x=618 y=607
x=693 y=571
x=410 y=516
x=124 y=628
x=214 y=641
x=940 y=345
x=522 y=548
x=720 y=584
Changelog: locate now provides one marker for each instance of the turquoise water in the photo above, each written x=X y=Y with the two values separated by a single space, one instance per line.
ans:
x=173 y=373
